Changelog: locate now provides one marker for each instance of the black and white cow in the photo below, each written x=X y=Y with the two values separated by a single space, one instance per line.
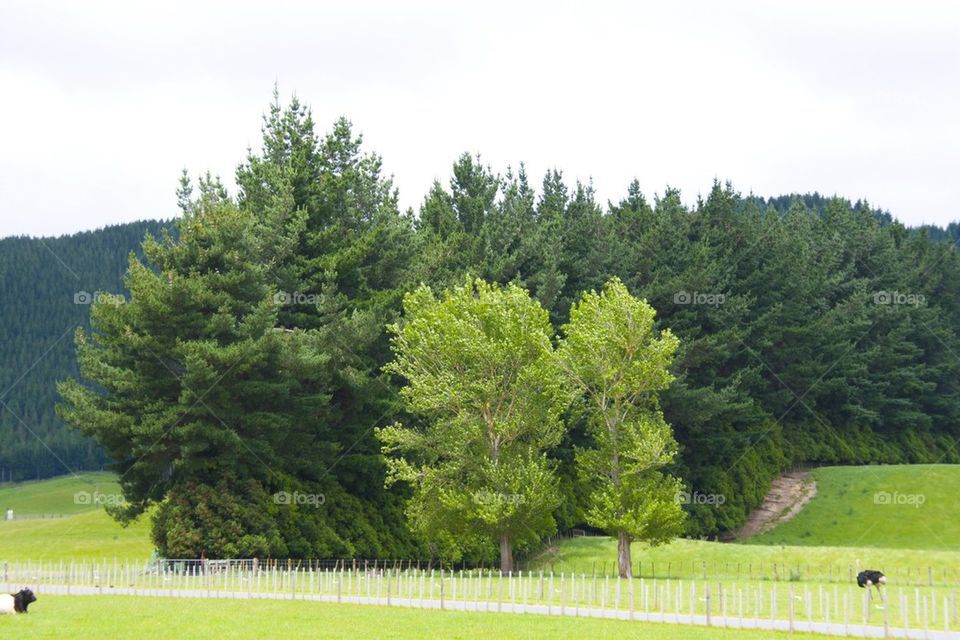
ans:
x=16 y=602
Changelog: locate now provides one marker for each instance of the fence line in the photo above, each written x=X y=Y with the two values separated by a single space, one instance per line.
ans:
x=942 y=575
x=901 y=612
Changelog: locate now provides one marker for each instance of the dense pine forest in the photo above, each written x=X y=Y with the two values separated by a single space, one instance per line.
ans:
x=46 y=286
x=812 y=330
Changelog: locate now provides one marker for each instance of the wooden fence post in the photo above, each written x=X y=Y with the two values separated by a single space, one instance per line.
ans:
x=790 y=593
x=706 y=586
x=904 y=614
x=846 y=616
x=886 y=619
x=563 y=594
x=946 y=615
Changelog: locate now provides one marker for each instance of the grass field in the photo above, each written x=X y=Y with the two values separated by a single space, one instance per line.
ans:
x=91 y=535
x=686 y=558
x=841 y=526
x=897 y=506
x=898 y=517
x=148 y=618
x=87 y=532
x=903 y=546
x=63 y=496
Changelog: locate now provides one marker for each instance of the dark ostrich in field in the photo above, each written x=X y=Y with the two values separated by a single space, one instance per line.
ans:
x=868 y=578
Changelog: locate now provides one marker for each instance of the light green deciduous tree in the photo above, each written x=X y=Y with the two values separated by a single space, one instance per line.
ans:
x=617 y=363
x=480 y=374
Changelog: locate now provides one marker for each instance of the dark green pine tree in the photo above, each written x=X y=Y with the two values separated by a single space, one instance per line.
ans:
x=190 y=383
x=544 y=247
x=345 y=284
x=507 y=230
x=451 y=238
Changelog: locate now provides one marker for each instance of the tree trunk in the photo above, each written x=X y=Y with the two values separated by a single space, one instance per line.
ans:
x=623 y=554
x=506 y=554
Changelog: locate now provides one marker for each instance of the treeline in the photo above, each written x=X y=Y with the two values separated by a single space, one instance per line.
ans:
x=812 y=330
x=45 y=288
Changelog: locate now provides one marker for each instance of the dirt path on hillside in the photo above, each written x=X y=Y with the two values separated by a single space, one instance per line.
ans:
x=788 y=494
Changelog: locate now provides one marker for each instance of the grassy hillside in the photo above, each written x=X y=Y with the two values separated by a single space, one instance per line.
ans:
x=149 y=618
x=841 y=526
x=901 y=518
x=897 y=506
x=63 y=495
x=88 y=535
x=85 y=532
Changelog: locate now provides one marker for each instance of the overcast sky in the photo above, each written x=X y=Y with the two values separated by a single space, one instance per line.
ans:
x=102 y=104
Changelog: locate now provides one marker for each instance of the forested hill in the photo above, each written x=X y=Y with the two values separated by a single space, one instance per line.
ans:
x=814 y=202
x=817 y=203
x=45 y=288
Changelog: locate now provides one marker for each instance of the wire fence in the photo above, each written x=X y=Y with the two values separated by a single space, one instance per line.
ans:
x=30 y=516
x=772 y=571
x=894 y=611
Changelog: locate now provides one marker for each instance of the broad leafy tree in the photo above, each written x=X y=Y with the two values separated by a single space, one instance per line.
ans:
x=616 y=360
x=480 y=376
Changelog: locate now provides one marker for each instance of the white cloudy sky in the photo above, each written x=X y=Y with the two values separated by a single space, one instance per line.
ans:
x=102 y=104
